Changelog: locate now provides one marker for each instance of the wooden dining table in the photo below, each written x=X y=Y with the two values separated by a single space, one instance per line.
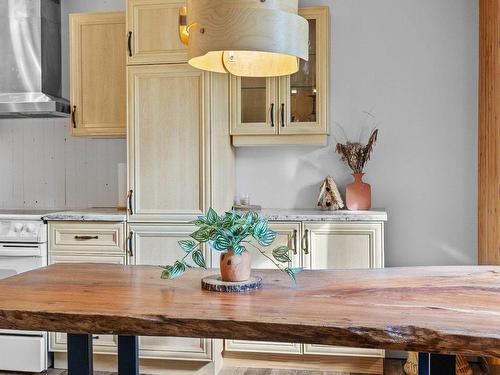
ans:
x=437 y=311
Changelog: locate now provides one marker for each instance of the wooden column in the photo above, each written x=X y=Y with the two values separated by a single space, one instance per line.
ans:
x=489 y=132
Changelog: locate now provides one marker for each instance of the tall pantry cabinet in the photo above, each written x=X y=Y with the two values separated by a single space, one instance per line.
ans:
x=180 y=159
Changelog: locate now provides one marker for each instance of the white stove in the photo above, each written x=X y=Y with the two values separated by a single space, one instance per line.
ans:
x=23 y=247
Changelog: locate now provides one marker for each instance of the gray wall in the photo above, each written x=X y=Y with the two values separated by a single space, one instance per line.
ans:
x=414 y=65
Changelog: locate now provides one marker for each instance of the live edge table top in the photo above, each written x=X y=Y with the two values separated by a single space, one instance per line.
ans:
x=453 y=310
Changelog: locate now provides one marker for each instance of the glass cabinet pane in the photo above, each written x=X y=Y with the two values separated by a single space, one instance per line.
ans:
x=253 y=99
x=303 y=103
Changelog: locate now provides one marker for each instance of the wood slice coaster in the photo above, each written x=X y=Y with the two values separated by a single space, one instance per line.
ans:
x=215 y=284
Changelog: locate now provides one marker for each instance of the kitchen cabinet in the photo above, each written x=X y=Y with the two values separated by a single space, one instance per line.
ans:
x=87 y=237
x=156 y=244
x=290 y=109
x=342 y=246
x=287 y=234
x=97 y=73
x=86 y=242
x=153 y=32
x=180 y=157
x=322 y=245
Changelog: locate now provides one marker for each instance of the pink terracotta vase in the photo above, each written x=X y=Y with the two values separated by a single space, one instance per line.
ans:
x=358 y=194
x=234 y=267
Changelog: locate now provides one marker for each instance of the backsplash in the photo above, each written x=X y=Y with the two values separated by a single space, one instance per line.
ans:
x=42 y=166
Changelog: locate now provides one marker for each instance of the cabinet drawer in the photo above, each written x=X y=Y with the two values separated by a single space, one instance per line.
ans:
x=102 y=344
x=79 y=237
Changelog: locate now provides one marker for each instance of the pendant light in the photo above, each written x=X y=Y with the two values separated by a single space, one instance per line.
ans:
x=249 y=38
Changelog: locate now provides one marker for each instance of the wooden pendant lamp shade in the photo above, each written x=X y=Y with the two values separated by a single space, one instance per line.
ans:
x=250 y=38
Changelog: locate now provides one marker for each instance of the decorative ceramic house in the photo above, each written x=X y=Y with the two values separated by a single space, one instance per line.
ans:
x=329 y=196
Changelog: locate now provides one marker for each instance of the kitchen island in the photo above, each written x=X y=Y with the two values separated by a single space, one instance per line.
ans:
x=448 y=310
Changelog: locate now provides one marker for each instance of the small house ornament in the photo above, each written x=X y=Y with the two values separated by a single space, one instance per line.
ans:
x=329 y=196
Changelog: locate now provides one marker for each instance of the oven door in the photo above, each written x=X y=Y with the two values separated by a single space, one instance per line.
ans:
x=22 y=350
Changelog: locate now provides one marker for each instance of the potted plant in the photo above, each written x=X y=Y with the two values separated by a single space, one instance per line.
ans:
x=356 y=155
x=232 y=235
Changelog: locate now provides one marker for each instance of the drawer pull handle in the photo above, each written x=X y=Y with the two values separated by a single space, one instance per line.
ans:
x=130 y=243
x=295 y=240
x=130 y=194
x=282 y=115
x=305 y=242
x=271 y=114
x=95 y=337
x=73 y=116
x=129 y=44
x=86 y=238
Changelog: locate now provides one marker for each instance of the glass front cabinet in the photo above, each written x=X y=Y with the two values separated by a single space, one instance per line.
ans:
x=289 y=109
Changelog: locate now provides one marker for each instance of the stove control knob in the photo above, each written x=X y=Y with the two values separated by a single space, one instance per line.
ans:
x=30 y=228
x=18 y=227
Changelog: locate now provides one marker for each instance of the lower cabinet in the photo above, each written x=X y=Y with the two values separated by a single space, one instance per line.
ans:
x=152 y=244
x=102 y=344
x=314 y=245
x=320 y=245
x=342 y=246
x=288 y=234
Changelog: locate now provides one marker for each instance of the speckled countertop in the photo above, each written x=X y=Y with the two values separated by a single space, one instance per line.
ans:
x=274 y=214
x=279 y=214
x=88 y=214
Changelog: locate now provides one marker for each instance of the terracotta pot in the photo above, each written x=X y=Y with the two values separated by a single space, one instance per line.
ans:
x=358 y=194
x=235 y=267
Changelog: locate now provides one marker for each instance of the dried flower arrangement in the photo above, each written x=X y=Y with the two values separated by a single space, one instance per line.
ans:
x=356 y=154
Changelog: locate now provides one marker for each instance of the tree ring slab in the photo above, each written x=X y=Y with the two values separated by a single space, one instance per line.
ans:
x=215 y=284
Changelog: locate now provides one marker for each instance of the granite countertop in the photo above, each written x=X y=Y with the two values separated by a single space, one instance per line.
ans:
x=279 y=214
x=88 y=214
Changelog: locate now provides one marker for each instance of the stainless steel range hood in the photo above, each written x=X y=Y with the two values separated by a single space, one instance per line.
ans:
x=30 y=59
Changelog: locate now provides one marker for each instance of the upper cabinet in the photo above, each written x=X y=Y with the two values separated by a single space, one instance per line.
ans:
x=290 y=109
x=153 y=32
x=180 y=159
x=98 y=76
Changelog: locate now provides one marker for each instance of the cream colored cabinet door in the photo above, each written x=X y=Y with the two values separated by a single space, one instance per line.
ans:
x=103 y=344
x=288 y=234
x=254 y=106
x=304 y=96
x=342 y=246
x=167 y=142
x=153 y=32
x=98 y=76
x=292 y=109
x=157 y=245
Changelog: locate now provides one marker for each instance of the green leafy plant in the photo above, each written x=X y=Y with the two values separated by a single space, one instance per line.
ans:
x=225 y=232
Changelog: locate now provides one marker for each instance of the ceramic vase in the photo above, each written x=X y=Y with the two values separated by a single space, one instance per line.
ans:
x=235 y=267
x=358 y=194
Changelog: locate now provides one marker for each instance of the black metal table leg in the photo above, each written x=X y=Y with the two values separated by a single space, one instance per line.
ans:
x=436 y=364
x=128 y=355
x=80 y=355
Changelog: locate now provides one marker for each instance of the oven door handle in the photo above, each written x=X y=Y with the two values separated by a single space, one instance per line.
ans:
x=11 y=251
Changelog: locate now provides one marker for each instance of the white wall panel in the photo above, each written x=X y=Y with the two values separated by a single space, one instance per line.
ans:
x=42 y=166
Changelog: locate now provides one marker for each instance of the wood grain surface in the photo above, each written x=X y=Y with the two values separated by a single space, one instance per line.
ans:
x=436 y=309
x=489 y=132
